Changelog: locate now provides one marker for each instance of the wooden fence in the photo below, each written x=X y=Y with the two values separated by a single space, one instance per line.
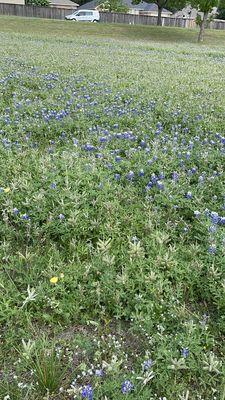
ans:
x=34 y=11
x=132 y=19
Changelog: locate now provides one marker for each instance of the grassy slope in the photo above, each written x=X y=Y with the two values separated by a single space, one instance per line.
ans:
x=173 y=281
x=114 y=31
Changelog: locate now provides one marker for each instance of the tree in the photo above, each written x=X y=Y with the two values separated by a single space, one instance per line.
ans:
x=169 y=4
x=221 y=10
x=40 y=3
x=113 y=5
x=205 y=7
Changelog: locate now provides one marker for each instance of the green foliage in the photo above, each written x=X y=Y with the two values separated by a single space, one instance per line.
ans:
x=111 y=272
x=41 y=3
x=113 y=6
x=221 y=10
x=204 y=6
x=168 y=4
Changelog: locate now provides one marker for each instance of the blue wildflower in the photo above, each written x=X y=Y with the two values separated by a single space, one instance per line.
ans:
x=185 y=352
x=147 y=364
x=214 y=217
x=126 y=387
x=149 y=185
x=99 y=373
x=212 y=249
x=15 y=211
x=175 y=176
x=89 y=147
x=25 y=217
x=87 y=392
x=117 y=177
x=61 y=217
x=212 y=229
x=160 y=185
x=222 y=220
x=161 y=175
x=130 y=175
x=201 y=179
x=154 y=178
x=197 y=214
x=103 y=139
x=188 y=195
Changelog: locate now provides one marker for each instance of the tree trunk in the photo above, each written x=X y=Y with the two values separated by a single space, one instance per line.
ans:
x=202 y=27
x=159 y=19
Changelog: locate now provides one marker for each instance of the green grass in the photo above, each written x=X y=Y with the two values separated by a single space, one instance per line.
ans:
x=112 y=138
x=66 y=29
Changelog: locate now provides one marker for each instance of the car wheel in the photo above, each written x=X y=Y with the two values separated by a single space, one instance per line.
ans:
x=95 y=20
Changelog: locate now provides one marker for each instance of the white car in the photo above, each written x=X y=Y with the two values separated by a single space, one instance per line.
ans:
x=84 y=15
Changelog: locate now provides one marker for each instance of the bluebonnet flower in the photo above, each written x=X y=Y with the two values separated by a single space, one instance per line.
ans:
x=214 y=217
x=160 y=185
x=188 y=195
x=87 y=392
x=161 y=175
x=99 y=373
x=201 y=179
x=98 y=155
x=175 y=176
x=53 y=185
x=110 y=166
x=61 y=217
x=207 y=212
x=154 y=178
x=130 y=175
x=149 y=185
x=141 y=172
x=103 y=139
x=25 y=217
x=212 y=228
x=117 y=177
x=75 y=141
x=212 y=249
x=222 y=220
x=89 y=147
x=197 y=214
x=126 y=387
x=185 y=352
x=147 y=364
x=15 y=211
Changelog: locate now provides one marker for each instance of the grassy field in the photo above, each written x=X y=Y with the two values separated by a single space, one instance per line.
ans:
x=112 y=212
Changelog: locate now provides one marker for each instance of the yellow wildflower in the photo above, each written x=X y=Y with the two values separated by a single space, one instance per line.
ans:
x=54 y=279
x=7 y=190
